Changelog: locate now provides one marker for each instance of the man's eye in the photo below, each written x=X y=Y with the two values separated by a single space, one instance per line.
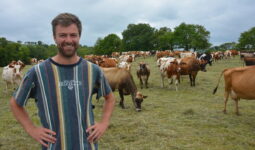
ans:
x=74 y=35
x=62 y=35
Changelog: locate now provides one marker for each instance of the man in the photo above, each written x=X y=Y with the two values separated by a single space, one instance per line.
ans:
x=63 y=87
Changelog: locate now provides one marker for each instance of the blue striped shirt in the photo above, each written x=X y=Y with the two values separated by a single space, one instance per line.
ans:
x=63 y=96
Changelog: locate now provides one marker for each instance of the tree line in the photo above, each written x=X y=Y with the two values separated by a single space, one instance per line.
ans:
x=137 y=37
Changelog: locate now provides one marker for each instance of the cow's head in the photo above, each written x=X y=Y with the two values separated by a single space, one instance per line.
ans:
x=138 y=100
x=203 y=65
x=143 y=67
x=16 y=69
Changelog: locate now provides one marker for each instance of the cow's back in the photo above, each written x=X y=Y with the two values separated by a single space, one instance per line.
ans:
x=241 y=80
x=189 y=64
x=119 y=78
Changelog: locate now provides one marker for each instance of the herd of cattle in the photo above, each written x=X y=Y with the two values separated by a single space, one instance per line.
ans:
x=171 y=64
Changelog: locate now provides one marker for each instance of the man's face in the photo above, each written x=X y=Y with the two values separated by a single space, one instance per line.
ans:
x=67 y=40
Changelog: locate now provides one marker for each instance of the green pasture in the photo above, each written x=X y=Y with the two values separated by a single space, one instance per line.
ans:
x=188 y=119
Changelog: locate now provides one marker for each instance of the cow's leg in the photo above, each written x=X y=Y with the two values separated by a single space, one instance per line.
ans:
x=6 y=88
x=170 y=81
x=121 y=99
x=141 y=82
x=226 y=95
x=237 y=110
x=190 y=79
x=146 y=82
x=194 y=79
x=162 y=80
x=176 y=82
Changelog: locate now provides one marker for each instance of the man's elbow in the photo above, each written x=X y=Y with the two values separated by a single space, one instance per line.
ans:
x=110 y=97
x=13 y=103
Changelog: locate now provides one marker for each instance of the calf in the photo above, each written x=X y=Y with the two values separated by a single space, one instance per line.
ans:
x=239 y=83
x=122 y=80
x=143 y=74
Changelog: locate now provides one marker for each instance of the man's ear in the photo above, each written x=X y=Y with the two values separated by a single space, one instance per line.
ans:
x=54 y=38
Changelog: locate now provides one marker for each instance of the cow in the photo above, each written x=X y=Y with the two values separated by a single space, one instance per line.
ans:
x=125 y=65
x=190 y=66
x=239 y=83
x=12 y=73
x=173 y=73
x=107 y=62
x=205 y=56
x=188 y=54
x=33 y=61
x=143 y=74
x=122 y=80
x=249 y=61
x=163 y=64
x=40 y=61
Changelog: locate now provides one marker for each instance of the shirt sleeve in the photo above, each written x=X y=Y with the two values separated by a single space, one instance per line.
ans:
x=23 y=93
x=103 y=87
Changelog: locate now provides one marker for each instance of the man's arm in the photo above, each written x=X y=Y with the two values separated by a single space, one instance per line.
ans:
x=97 y=130
x=40 y=134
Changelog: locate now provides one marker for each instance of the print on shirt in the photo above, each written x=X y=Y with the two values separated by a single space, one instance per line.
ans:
x=69 y=84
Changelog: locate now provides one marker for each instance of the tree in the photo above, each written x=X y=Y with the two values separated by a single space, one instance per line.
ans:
x=247 y=40
x=201 y=38
x=24 y=54
x=138 y=37
x=3 y=42
x=189 y=36
x=85 y=50
x=107 y=45
x=228 y=45
x=183 y=35
x=164 y=39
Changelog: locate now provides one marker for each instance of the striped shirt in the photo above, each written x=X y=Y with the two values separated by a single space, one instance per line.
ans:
x=63 y=96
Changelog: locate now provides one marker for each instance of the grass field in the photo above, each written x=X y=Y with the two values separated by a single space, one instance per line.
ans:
x=188 y=119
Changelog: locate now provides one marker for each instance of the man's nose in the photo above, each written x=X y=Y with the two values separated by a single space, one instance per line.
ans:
x=68 y=39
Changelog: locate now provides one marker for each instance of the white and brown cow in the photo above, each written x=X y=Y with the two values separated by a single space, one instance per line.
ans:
x=125 y=65
x=173 y=73
x=163 y=64
x=143 y=74
x=12 y=73
x=122 y=80
x=239 y=83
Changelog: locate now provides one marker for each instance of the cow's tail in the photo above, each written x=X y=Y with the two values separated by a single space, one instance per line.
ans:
x=215 y=89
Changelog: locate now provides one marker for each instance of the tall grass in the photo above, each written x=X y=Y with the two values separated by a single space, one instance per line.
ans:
x=188 y=119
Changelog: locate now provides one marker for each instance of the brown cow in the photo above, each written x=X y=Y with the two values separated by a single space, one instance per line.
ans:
x=143 y=74
x=122 y=80
x=108 y=62
x=239 y=83
x=190 y=66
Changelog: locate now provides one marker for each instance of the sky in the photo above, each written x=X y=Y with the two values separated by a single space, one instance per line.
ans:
x=30 y=20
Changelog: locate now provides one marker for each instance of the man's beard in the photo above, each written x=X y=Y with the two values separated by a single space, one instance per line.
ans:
x=67 y=52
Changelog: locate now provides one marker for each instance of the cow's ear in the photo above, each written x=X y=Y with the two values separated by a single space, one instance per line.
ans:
x=145 y=96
